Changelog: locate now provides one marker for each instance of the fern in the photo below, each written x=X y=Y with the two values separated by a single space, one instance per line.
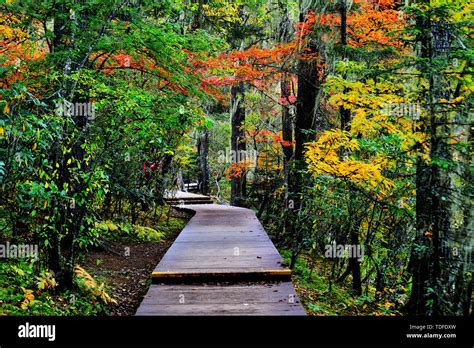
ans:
x=88 y=283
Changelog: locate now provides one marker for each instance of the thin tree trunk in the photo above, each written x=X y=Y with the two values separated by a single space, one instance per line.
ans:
x=204 y=162
x=286 y=120
x=68 y=226
x=180 y=179
x=238 y=185
x=354 y=262
x=345 y=113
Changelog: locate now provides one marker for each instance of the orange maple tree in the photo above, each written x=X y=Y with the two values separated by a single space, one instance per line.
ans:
x=369 y=23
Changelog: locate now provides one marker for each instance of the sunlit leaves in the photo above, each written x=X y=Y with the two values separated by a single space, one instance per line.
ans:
x=331 y=155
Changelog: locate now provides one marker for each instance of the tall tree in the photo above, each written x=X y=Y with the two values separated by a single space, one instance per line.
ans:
x=286 y=91
x=309 y=87
x=204 y=162
x=345 y=113
x=237 y=114
x=442 y=284
x=70 y=222
x=238 y=184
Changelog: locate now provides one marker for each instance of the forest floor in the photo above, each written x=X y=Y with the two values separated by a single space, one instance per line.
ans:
x=319 y=298
x=127 y=279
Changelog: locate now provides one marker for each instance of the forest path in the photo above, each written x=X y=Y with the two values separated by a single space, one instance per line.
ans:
x=222 y=263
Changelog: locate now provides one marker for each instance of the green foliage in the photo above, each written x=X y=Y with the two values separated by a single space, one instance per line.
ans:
x=109 y=230
x=147 y=233
x=321 y=297
x=26 y=291
x=61 y=170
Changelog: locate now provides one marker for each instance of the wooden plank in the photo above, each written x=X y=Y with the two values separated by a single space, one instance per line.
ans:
x=259 y=309
x=184 y=195
x=174 y=265
x=223 y=244
x=230 y=232
x=202 y=275
x=272 y=299
x=277 y=287
x=193 y=256
x=179 y=198
x=223 y=239
x=187 y=249
x=222 y=309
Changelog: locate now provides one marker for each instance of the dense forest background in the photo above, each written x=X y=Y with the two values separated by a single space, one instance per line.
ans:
x=339 y=122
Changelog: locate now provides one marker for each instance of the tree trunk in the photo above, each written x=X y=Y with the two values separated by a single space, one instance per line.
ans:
x=441 y=257
x=286 y=120
x=238 y=185
x=204 y=162
x=308 y=89
x=345 y=113
x=180 y=179
x=354 y=262
x=70 y=222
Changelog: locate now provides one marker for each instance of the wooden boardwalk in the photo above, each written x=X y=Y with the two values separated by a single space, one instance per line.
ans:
x=222 y=263
x=182 y=198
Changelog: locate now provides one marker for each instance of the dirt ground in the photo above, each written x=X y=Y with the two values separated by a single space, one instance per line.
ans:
x=128 y=278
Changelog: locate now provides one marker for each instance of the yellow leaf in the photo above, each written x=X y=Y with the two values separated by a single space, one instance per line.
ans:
x=46 y=185
x=28 y=298
x=2 y=132
x=90 y=285
x=35 y=145
x=45 y=204
x=18 y=271
x=69 y=161
x=6 y=109
x=46 y=281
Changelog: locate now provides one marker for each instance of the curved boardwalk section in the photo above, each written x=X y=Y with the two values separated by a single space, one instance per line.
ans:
x=222 y=263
